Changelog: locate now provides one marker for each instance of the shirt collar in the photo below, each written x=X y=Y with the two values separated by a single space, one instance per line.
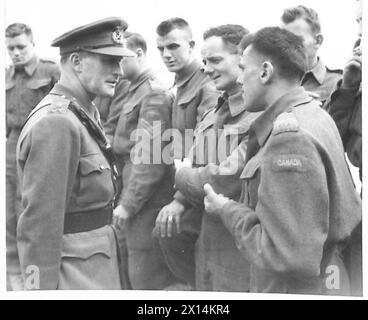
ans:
x=73 y=94
x=263 y=125
x=236 y=102
x=141 y=78
x=32 y=65
x=187 y=73
x=319 y=71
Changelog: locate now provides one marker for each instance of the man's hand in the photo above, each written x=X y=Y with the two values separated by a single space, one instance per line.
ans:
x=186 y=163
x=120 y=215
x=213 y=202
x=352 y=76
x=167 y=216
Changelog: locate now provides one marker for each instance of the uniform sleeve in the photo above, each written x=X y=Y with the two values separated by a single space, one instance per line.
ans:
x=340 y=106
x=287 y=230
x=224 y=178
x=148 y=169
x=208 y=98
x=48 y=158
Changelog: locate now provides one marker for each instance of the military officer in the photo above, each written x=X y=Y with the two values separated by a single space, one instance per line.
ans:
x=28 y=79
x=65 y=168
x=318 y=78
x=147 y=187
x=216 y=267
x=298 y=206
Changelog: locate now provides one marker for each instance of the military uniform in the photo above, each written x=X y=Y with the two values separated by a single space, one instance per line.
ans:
x=298 y=205
x=64 y=175
x=65 y=171
x=25 y=88
x=321 y=80
x=216 y=266
x=147 y=187
x=345 y=107
x=195 y=94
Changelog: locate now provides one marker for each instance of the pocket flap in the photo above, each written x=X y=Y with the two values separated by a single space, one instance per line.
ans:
x=38 y=83
x=187 y=97
x=250 y=168
x=86 y=247
x=93 y=162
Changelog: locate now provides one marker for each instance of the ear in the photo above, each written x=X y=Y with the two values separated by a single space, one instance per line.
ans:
x=140 y=53
x=319 y=39
x=266 y=72
x=192 y=44
x=76 y=61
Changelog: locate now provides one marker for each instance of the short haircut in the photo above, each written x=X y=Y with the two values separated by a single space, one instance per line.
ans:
x=284 y=49
x=167 y=26
x=231 y=34
x=135 y=41
x=308 y=14
x=16 y=29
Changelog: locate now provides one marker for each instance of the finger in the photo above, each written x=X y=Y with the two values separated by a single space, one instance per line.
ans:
x=163 y=226
x=177 y=221
x=209 y=191
x=169 y=227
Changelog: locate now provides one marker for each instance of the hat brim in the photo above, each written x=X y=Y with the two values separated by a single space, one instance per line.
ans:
x=113 y=51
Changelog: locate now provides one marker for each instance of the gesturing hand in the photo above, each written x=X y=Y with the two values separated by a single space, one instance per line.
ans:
x=213 y=202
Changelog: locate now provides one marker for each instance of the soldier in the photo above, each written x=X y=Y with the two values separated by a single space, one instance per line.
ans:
x=318 y=79
x=27 y=81
x=298 y=205
x=216 y=137
x=345 y=107
x=147 y=187
x=195 y=92
x=66 y=170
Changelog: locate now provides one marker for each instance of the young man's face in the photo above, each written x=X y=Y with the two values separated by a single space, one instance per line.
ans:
x=175 y=49
x=20 y=49
x=100 y=73
x=253 y=89
x=301 y=28
x=221 y=63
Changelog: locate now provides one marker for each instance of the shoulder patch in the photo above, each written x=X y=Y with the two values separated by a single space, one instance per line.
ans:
x=59 y=105
x=289 y=162
x=285 y=122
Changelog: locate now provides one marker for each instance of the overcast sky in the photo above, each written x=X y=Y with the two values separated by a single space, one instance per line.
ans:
x=49 y=19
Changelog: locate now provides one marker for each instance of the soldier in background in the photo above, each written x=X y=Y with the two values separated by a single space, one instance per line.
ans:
x=66 y=169
x=147 y=186
x=28 y=80
x=345 y=107
x=318 y=79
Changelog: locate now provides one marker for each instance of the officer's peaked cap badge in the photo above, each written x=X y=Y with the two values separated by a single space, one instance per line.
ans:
x=118 y=35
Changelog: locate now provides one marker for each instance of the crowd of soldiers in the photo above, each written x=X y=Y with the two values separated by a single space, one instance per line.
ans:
x=234 y=179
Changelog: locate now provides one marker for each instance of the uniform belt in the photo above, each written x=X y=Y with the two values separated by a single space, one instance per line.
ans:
x=86 y=221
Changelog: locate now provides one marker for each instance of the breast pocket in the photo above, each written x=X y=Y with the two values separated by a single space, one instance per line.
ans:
x=251 y=177
x=95 y=180
x=37 y=89
x=186 y=110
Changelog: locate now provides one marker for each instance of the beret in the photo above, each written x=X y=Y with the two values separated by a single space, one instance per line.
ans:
x=105 y=36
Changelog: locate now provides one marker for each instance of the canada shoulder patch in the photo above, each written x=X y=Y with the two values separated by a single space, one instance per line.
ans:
x=289 y=162
x=285 y=122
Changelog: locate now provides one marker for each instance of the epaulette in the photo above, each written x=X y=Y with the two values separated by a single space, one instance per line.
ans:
x=285 y=122
x=48 y=60
x=339 y=71
x=59 y=104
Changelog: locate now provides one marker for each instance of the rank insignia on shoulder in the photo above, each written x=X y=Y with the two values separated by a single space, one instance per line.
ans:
x=59 y=107
x=285 y=122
